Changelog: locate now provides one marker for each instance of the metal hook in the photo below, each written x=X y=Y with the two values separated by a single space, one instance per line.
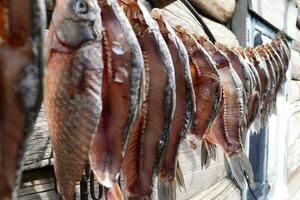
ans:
x=92 y=188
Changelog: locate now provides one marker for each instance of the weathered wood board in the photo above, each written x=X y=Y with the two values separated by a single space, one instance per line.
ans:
x=218 y=10
x=178 y=15
x=280 y=13
x=38 y=148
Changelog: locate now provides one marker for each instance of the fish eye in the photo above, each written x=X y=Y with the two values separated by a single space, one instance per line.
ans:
x=81 y=7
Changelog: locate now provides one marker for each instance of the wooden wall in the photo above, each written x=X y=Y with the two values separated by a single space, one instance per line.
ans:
x=38 y=176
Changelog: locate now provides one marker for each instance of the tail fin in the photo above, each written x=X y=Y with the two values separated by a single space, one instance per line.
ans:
x=240 y=166
x=166 y=190
x=205 y=158
x=115 y=193
x=211 y=149
x=179 y=177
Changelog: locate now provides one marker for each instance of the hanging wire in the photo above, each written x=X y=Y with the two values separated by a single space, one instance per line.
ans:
x=199 y=18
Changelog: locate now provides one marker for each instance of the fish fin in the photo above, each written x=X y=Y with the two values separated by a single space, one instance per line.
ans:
x=211 y=149
x=115 y=193
x=166 y=190
x=180 y=177
x=205 y=159
x=240 y=167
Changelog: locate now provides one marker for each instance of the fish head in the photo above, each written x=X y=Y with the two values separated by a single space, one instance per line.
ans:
x=76 y=22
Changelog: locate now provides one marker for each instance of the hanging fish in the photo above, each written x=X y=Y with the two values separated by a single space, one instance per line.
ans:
x=121 y=93
x=243 y=71
x=184 y=111
x=282 y=48
x=226 y=128
x=150 y=133
x=21 y=69
x=254 y=103
x=265 y=81
x=206 y=83
x=73 y=87
x=274 y=78
x=278 y=60
x=240 y=67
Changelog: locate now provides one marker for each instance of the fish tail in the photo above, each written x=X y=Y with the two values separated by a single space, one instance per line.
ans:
x=180 y=177
x=205 y=158
x=211 y=149
x=240 y=167
x=166 y=189
x=115 y=193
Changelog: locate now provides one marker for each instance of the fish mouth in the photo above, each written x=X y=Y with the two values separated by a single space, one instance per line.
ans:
x=75 y=33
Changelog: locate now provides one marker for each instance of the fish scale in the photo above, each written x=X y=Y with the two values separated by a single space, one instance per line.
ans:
x=83 y=109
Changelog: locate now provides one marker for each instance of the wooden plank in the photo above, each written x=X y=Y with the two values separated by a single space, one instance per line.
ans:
x=178 y=15
x=280 y=13
x=38 y=184
x=224 y=189
x=218 y=10
x=38 y=147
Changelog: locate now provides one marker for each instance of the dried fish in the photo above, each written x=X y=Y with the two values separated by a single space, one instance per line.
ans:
x=73 y=87
x=21 y=69
x=150 y=133
x=184 y=111
x=121 y=93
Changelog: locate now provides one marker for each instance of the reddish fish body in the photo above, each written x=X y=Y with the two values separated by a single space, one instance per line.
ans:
x=274 y=77
x=231 y=86
x=254 y=103
x=21 y=69
x=73 y=88
x=241 y=68
x=282 y=48
x=227 y=126
x=184 y=109
x=265 y=81
x=206 y=84
x=150 y=133
x=280 y=65
x=121 y=88
x=243 y=72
